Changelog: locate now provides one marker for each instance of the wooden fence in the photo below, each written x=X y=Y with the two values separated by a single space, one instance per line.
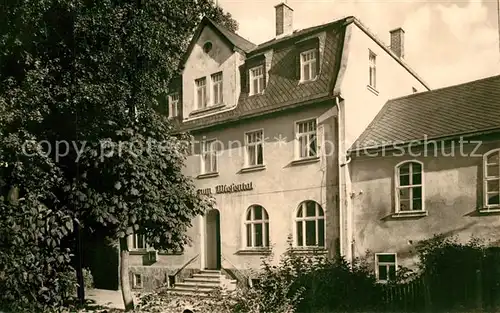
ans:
x=462 y=289
x=405 y=297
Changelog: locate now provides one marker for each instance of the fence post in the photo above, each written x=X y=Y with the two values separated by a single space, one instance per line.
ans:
x=479 y=290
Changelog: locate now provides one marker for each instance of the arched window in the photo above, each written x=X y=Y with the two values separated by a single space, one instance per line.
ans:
x=492 y=178
x=409 y=187
x=310 y=225
x=257 y=227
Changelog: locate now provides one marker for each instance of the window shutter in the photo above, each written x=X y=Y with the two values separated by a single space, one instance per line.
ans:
x=318 y=60
x=163 y=103
x=320 y=139
x=244 y=79
x=297 y=64
x=179 y=107
x=130 y=241
x=264 y=73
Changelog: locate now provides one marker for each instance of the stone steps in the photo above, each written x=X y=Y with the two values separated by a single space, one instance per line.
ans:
x=203 y=283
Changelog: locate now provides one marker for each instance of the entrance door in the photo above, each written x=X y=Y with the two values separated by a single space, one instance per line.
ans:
x=212 y=240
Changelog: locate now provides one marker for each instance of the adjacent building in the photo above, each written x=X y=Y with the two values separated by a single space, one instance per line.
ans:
x=271 y=124
x=428 y=164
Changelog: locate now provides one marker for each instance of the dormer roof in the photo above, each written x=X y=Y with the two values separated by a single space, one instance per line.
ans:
x=234 y=40
x=283 y=90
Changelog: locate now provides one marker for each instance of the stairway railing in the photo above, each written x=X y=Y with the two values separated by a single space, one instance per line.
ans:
x=232 y=272
x=176 y=274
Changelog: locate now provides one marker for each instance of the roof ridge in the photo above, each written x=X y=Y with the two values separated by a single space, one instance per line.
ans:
x=444 y=88
x=298 y=32
x=384 y=46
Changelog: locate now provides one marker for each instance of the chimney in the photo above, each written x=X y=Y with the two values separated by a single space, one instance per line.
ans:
x=398 y=42
x=284 y=20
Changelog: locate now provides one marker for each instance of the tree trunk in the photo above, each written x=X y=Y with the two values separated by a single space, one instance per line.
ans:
x=79 y=269
x=128 y=299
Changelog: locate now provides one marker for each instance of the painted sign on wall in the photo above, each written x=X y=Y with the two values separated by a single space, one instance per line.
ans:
x=226 y=188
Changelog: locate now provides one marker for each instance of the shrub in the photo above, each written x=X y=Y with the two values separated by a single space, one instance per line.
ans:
x=310 y=283
x=336 y=285
x=449 y=268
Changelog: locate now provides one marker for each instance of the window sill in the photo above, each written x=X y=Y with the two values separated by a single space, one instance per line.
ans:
x=372 y=89
x=207 y=109
x=410 y=214
x=490 y=210
x=255 y=168
x=208 y=175
x=138 y=252
x=250 y=251
x=301 y=82
x=169 y=253
x=256 y=94
x=306 y=160
x=309 y=250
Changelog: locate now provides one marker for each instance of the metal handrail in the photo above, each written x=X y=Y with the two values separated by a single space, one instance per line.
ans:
x=186 y=264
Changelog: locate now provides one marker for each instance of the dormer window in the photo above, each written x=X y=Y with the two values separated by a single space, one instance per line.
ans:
x=201 y=92
x=308 y=65
x=257 y=80
x=173 y=105
x=217 y=88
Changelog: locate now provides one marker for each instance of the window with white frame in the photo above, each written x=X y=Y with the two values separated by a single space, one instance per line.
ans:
x=310 y=225
x=257 y=227
x=217 y=88
x=201 y=93
x=385 y=267
x=307 y=145
x=257 y=80
x=308 y=65
x=138 y=242
x=409 y=187
x=254 y=148
x=209 y=156
x=173 y=105
x=492 y=179
x=137 y=281
x=372 y=58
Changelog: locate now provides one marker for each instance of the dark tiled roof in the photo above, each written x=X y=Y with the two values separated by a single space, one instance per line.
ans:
x=234 y=38
x=454 y=111
x=296 y=34
x=283 y=89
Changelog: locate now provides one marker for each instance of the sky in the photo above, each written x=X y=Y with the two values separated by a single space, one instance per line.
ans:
x=447 y=42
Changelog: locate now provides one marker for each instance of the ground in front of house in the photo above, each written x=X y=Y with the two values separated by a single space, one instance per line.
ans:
x=110 y=300
x=105 y=298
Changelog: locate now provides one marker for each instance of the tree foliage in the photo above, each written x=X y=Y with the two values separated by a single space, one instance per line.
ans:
x=81 y=136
